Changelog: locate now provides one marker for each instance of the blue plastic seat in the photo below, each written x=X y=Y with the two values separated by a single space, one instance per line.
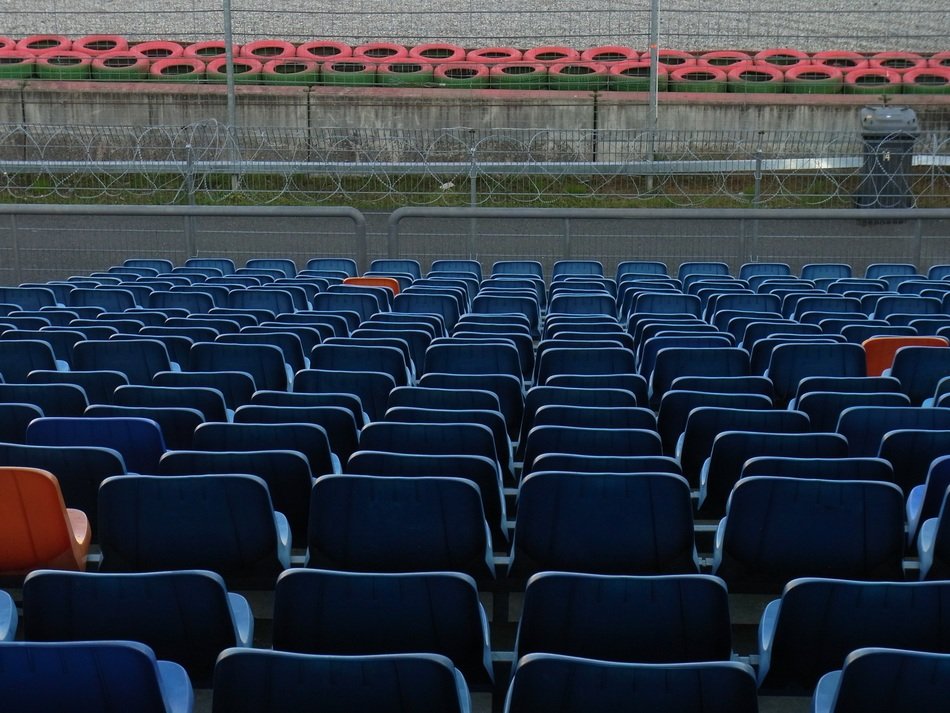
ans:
x=919 y=370
x=791 y=363
x=91 y=677
x=652 y=619
x=338 y=422
x=489 y=303
x=306 y=438
x=176 y=423
x=608 y=360
x=224 y=523
x=138 y=359
x=933 y=544
x=285 y=265
x=8 y=617
x=548 y=682
x=731 y=449
x=865 y=426
x=876 y=680
x=517 y=267
x=379 y=613
x=924 y=501
x=695 y=361
x=250 y=681
x=265 y=363
x=341 y=264
x=818 y=622
x=196 y=302
x=777 y=529
x=207 y=401
x=393 y=524
x=51 y=399
x=609 y=523
x=652 y=347
x=138 y=440
x=372 y=387
x=29 y=297
x=822 y=468
x=187 y=617
x=18 y=357
x=825 y=407
x=911 y=452
x=508 y=389
x=820 y=270
x=472 y=266
x=444 y=305
x=588 y=441
x=676 y=405
x=539 y=396
x=457 y=357
x=574 y=463
x=446 y=399
x=397 y=265
x=641 y=267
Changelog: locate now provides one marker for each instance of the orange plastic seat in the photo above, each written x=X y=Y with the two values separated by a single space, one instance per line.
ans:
x=37 y=530
x=880 y=351
x=389 y=282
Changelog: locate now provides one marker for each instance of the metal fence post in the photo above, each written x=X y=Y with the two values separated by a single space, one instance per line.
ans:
x=654 y=81
x=232 y=97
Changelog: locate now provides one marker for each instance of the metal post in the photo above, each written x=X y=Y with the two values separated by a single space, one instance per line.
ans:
x=654 y=81
x=472 y=193
x=229 y=74
x=190 y=188
x=757 y=195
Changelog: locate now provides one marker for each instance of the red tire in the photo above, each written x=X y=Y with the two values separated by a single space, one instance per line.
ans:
x=724 y=59
x=7 y=44
x=495 y=55
x=264 y=50
x=578 y=76
x=781 y=57
x=941 y=59
x=95 y=45
x=813 y=79
x=436 y=52
x=672 y=59
x=120 y=65
x=462 y=75
x=207 y=51
x=634 y=76
x=247 y=70
x=552 y=54
x=697 y=79
x=38 y=44
x=16 y=64
x=324 y=50
x=872 y=80
x=926 y=80
x=291 y=70
x=177 y=69
x=379 y=51
x=843 y=60
x=770 y=74
x=64 y=65
x=519 y=75
x=898 y=61
x=158 y=49
x=608 y=54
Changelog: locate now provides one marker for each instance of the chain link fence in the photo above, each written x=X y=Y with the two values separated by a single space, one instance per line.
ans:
x=206 y=163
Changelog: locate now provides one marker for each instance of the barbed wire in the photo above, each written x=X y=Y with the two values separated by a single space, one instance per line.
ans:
x=207 y=162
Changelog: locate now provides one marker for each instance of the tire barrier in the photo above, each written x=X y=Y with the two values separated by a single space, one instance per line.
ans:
x=38 y=44
x=158 y=49
x=120 y=66
x=207 y=51
x=750 y=78
x=781 y=57
x=813 y=79
x=291 y=70
x=95 y=45
x=7 y=44
x=461 y=75
x=941 y=59
x=247 y=70
x=843 y=60
x=435 y=52
x=408 y=72
x=495 y=55
x=65 y=65
x=264 y=50
x=672 y=59
x=635 y=76
x=927 y=80
x=698 y=79
x=177 y=69
x=898 y=61
x=324 y=50
x=724 y=59
x=609 y=54
x=351 y=72
x=519 y=75
x=550 y=54
x=871 y=80
x=578 y=76
x=16 y=64
x=378 y=51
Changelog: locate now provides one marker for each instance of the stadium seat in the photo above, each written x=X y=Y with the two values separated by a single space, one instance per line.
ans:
x=924 y=501
x=379 y=613
x=676 y=405
x=603 y=523
x=825 y=407
x=865 y=426
x=920 y=368
x=337 y=422
x=877 y=680
x=36 y=528
x=588 y=441
x=548 y=682
x=138 y=440
x=265 y=363
x=933 y=544
x=791 y=363
x=91 y=677
x=701 y=361
x=224 y=523
x=372 y=387
x=252 y=680
x=187 y=617
x=777 y=529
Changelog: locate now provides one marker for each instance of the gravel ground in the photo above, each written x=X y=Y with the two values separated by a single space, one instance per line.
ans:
x=873 y=25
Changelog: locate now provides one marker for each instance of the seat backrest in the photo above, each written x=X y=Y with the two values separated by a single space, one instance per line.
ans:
x=249 y=681
x=920 y=368
x=89 y=677
x=35 y=527
x=695 y=361
x=379 y=613
x=224 y=523
x=791 y=363
x=183 y=616
x=865 y=426
x=208 y=401
x=588 y=441
x=264 y=362
x=307 y=438
x=658 y=619
x=138 y=440
x=676 y=405
x=823 y=468
x=576 y=685
x=777 y=529
x=372 y=387
x=342 y=264
x=818 y=622
x=338 y=422
x=604 y=523
x=394 y=524
x=18 y=357
x=825 y=407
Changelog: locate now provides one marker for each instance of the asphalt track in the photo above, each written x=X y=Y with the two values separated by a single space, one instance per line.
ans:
x=873 y=25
